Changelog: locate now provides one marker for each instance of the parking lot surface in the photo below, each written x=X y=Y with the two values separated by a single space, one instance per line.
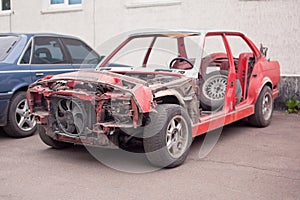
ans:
x=246 y=163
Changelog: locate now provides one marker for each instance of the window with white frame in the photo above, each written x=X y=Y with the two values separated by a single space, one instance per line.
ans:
x=65 y=2
x=5 y=5
x=54 y=6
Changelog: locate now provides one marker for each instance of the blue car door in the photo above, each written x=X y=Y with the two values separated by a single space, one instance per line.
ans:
x=48 y=57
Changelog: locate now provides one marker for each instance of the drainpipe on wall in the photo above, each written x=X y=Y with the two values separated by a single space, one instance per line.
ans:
x=94 y=23
x=10 y=26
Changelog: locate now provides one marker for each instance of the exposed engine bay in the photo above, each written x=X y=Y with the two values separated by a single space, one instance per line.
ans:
x=82 y=107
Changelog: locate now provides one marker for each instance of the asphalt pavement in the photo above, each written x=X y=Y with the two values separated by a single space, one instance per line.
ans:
x=246 y=163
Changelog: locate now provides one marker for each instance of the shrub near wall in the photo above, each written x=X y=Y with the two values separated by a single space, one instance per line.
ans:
x=289 y=89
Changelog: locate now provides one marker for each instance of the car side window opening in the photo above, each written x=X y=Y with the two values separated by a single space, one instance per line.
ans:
x=163 y=51
x=169 y=51
x=47 y=50
x=26 y=57
x=80 y=53
x=214 y=57
x=239 y=49
x=238 y=46
x=243 y=59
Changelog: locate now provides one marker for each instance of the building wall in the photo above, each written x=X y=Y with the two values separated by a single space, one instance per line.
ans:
x=34 y=16
x=275 y=23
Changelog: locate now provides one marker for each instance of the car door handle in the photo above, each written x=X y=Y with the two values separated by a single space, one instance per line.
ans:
x=39 y=74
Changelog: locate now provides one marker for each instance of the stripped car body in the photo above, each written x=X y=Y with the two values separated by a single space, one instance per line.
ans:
x=102 y=107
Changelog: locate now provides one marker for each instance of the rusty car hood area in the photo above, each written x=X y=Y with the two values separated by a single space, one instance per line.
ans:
x=105 y=99
x=118 y=78
x=87 y=82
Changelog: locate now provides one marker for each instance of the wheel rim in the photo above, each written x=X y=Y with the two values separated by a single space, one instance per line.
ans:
x=25 y=121
x=214 y=88
x=267 y=106
x=70 y=116
x=177 y=136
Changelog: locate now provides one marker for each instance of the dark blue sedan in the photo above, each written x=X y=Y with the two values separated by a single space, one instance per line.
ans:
x=24 y=58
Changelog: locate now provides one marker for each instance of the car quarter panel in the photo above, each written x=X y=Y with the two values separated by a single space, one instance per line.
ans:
x=264 y=72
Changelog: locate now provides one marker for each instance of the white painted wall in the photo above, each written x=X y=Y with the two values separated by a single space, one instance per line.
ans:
x=276 y=23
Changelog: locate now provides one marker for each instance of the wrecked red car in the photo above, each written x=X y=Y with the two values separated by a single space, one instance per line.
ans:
x=162 y=88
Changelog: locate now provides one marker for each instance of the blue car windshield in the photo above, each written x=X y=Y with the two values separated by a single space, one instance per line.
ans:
x=6 y=45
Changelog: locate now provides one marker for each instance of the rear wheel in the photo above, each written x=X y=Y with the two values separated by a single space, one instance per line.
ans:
x=51 y=142
x=168 y=137
x=20 y=122
x=263 y=109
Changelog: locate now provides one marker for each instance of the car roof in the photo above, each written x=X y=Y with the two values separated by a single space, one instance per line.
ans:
x=183 y=32
x=29 y=35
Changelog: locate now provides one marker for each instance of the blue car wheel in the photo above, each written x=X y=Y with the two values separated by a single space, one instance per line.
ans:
x=20 y=122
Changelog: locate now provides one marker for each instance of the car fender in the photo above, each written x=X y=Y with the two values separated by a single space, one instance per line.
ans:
x=265 y=81
x=259 y=86
x=19 y=87
x=170 y=92
x=9 y=95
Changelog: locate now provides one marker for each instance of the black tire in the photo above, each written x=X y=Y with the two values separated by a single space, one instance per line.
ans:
x=263 y=109
x=18 y=112
x=51 y=142
x=1 y=130
x=156 y=137
x=213 y=101
x=134 y=144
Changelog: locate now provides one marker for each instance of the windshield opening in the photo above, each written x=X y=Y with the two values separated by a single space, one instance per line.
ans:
x=6 y=45
x=157 y=51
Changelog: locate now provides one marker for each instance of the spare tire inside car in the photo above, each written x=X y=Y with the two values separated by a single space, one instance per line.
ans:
x=213 y=90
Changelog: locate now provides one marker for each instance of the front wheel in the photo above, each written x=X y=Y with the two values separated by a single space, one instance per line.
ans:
x=20 y=122
x=168 y=137
x=263 y=109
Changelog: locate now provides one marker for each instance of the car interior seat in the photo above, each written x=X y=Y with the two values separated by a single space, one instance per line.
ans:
x=183 y=65
x=242 y=71
x=42 y=56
